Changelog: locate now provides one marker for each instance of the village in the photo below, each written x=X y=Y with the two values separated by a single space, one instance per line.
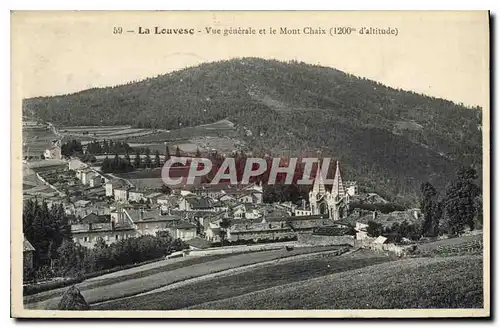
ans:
x=153 y=179
x=109 y=208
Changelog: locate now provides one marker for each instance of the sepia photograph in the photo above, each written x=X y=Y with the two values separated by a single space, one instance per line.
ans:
x=248 y=164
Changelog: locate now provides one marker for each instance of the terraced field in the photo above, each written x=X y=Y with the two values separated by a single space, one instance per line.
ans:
x=219 y=135
x=443 y=282
x=304 y=278
x=259 y=278
x=150 y=280
x=36 y=139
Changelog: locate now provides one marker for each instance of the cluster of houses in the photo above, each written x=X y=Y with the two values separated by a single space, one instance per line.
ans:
x=185 y=214
x=87 y=176
x=202 y=211
x=54 y=151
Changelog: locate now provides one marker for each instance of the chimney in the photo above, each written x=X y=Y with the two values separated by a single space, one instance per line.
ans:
x=374 y=215
x=141 y=213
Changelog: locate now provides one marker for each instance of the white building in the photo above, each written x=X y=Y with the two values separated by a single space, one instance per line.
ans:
x=121 y=194
x=114 y=184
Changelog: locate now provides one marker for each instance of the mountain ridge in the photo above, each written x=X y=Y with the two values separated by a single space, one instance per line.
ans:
x=291 y=107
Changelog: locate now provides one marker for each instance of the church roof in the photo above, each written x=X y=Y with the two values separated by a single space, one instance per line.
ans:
x=338 y=185
x=319 y=185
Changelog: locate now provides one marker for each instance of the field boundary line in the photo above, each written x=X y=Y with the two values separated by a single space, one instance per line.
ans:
x=231 y=271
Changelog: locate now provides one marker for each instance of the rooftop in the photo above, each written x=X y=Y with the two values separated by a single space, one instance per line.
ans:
x=94 y=218
x=103 y=227
x=184 y=225
x=117 y=183
x=27 y=247
x=82 y=202
x=297 y=218
x=199 y=203
x=150 y=216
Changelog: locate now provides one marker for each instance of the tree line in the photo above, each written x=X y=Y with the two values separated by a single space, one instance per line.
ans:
x=56 y=254
x=77 y=260
x=75 y=148
x=46 y=229
x=460 y=208
x=108 y=147
x=125 y=164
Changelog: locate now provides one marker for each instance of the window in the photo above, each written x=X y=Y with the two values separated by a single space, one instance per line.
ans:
x=270 y=226
x=116 y=237
x=85 y=239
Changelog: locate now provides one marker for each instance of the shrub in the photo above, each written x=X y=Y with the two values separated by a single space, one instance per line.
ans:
x=72 y=299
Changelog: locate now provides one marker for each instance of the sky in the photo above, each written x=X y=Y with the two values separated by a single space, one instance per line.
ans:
x=441 y=54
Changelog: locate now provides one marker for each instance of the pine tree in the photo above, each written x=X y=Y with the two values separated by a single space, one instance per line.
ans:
x=128 y=161
x=116 y=163
x=460 y=203
x=69 y=259
x=429 y=209
x=52 y=253
x=157 y=159
x=198 y=154
x=106 y=165
x=147 y=161
x=137 y=160
x=224 y=224
x=63 y=224
x=167 y=153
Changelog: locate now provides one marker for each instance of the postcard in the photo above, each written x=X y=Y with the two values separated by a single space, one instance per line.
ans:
x=250 y=164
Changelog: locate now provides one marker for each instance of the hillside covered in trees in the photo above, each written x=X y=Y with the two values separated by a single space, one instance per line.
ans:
x=389 y=140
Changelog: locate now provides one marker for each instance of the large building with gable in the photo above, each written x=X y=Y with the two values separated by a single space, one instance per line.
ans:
x=332 y=202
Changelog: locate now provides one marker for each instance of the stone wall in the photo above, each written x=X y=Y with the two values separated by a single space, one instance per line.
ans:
x=241 y=249
x=319 y=240
x=252 y=235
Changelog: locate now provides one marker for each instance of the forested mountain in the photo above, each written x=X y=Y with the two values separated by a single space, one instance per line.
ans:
x=389 y=140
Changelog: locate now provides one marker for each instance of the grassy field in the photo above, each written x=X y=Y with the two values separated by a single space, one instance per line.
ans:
x=129 y=287
x=260 y=278
x=212 y=129
x=141 y=174
x=128 y=274
x=36 y=139
x=463 y=245
x=461 y=241
x=441 y=282
x=112 y=132
x=219 y=135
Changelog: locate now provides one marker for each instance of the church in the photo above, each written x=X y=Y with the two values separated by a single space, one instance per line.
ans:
x=333 y=202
